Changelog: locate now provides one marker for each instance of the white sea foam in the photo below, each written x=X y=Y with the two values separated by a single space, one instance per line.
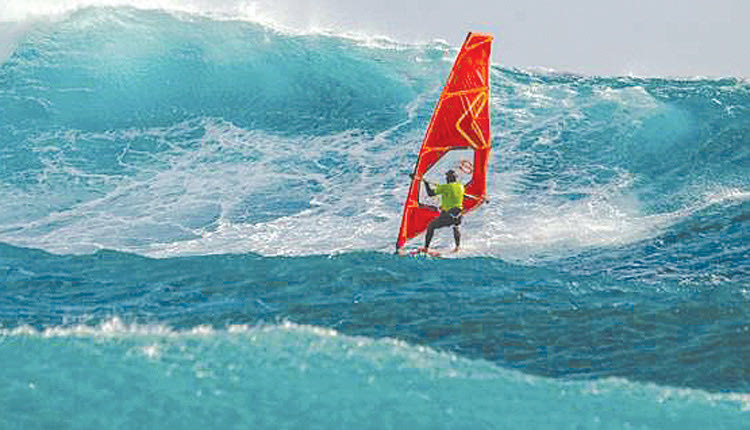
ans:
x=154 y=208
x=187 y=208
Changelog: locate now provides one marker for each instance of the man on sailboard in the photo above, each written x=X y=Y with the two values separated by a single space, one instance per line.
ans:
x=451 y=208
x=460 y=121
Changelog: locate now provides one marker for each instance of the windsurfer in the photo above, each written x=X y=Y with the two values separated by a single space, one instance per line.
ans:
x=451 y=208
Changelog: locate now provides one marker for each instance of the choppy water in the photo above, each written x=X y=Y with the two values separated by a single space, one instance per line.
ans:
x=198 y=218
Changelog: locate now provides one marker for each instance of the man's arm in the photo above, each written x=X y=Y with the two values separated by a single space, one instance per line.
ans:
x=481 y=199
x=430 y=191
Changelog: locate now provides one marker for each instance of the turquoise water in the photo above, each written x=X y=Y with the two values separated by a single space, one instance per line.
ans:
x=199 y=216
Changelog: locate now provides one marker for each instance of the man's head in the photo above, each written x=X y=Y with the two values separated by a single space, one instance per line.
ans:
x=450 y=176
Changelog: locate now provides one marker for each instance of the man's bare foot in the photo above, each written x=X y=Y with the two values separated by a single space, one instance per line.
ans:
x=456 y=249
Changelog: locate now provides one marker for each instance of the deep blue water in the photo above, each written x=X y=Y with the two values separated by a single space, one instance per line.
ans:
x=198 y=220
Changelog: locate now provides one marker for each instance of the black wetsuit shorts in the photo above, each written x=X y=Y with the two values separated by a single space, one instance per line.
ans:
x=450 y=217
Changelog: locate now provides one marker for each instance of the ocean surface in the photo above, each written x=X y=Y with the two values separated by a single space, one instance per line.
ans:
x=198 y=217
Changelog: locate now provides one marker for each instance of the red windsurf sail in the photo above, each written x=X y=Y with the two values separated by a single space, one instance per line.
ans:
x=460 y=126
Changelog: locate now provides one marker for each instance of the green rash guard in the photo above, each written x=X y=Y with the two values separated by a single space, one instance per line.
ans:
x=452 y=195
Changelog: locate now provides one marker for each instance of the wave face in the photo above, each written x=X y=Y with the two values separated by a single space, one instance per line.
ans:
x=208 y=208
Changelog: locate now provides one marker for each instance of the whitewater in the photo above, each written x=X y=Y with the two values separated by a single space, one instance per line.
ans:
x=198 y=216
